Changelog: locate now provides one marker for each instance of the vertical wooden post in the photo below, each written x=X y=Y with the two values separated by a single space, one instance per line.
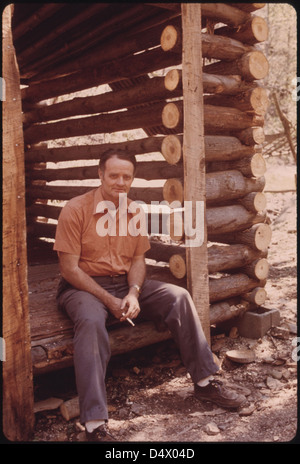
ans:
x=193 y=154
x=17 y=398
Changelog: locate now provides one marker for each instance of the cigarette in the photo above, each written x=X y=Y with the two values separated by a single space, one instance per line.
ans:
x=129 y=320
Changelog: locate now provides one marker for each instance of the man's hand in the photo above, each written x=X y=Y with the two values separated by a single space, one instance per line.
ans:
x=130 y=307
x=114 y=305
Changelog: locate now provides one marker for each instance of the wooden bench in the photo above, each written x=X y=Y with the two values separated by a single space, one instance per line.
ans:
x=52 y=330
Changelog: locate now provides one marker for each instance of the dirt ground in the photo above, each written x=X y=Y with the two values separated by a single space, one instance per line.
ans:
x=150 y=394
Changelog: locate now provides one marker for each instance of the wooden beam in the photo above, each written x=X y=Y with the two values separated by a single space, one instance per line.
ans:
x=151 y=90
x=126 y=67
x=194 y=154
x=18 y=416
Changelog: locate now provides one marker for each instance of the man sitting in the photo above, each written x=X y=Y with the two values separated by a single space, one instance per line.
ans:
x=104 y=275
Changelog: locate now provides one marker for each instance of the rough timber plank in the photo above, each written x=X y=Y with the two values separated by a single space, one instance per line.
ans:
x=18 y=417
x=193 y=154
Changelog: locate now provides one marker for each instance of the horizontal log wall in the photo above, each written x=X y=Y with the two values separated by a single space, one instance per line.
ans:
x=234 y=109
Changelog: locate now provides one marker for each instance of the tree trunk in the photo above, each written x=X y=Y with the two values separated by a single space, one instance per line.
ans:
x=252 y=101
x=252 y=136
x=252 y=166
x=226 y=310
x=146 y=92
x=251 y=66
x=37 y=154
x=220 y=258
x=257 y=236
x=225 y=13
x=216 y=148
x=230 y=286
x=113 y=71
x=220 y=186
x=251 y=32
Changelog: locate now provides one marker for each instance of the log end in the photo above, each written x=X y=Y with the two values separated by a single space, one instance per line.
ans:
x=169 y=38
x=177 y=266
x=172 y=79
x=171 y=149
x=260 y=29
x=258 y=65
x=171 y=116
x=173 y=191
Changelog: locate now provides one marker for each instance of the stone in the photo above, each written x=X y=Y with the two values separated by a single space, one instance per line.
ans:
x=211 y=428
x=247 y=411
x=272 y=383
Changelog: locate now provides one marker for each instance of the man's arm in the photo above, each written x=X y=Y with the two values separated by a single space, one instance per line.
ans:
x=72 y=273
x=136 y=276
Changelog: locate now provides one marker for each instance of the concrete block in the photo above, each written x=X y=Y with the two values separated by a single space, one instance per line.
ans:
x=256 y=323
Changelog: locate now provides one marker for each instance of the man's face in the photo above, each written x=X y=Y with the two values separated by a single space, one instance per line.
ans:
x=116 y=178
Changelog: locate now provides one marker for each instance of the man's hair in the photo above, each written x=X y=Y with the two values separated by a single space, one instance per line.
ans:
x=117 y=153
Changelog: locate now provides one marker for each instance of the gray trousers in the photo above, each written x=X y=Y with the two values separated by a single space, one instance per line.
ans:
x=167 y=305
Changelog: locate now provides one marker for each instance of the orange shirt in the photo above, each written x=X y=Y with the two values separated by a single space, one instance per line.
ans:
x=103 y=236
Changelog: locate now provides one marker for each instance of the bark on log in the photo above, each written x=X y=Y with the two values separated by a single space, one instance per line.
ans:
x=216 y=148
x=255 y=202
x=229 y=185
x=219 y=288
x=148 y=91
x=38 y=154
x=251 y=66
x=220 y=258
x=216 y=118
x=230 y=286
x=121 y=120
x=114 y=49
x=226 y=310
x=248 y=7
x=227 y=85
x=53 y=192
x=220 y=48
x=225 y=13
x=145 y=170
x=43 y=13
x=258 y=269
x=222 y=147
x=127 y=67
x=252 y=101
x=233 y=218
x=220 y=186
x=257 y=296
x=251 y=32
x=222 y=223
x=252 y=166
x=257 y=237
x=90 y=36
x=252 y=136
x=30 y=56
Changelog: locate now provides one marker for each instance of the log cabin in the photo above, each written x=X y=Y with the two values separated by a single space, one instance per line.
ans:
x=183 y=80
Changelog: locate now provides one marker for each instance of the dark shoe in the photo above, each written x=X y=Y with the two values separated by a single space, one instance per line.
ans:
x=99 y=434
x=217 y=393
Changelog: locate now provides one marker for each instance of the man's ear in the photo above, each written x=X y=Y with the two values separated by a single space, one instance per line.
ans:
x=100 y=174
